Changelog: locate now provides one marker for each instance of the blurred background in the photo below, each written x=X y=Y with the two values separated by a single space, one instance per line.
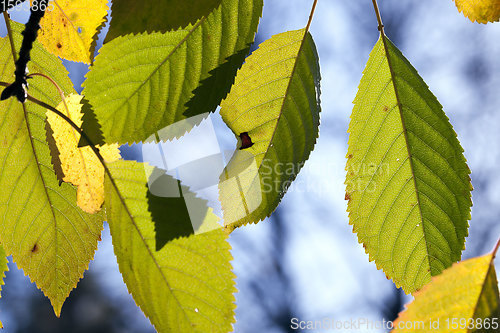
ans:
x=304 y=262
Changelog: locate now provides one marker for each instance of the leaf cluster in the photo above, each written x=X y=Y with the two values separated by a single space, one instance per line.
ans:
x=169 y=62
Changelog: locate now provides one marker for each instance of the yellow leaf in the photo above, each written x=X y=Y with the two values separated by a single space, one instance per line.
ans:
x=80 y=166
x=464 y=298
x=69 y=28
x=482 y=11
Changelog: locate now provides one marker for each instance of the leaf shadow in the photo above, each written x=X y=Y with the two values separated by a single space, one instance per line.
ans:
x=175 y=211
x=206 y=97
x=157 y=16
x=212 y=90
x=90 y=126
x=54 y=152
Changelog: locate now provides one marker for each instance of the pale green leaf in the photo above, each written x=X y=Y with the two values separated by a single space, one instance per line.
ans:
x=407 y=181
x=41 y=226
x=181 y=280
x=464 y=298
x=131 y=16
x=273 y=108
x=140 y=84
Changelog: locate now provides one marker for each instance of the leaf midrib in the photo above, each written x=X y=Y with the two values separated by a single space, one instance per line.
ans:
x=278 y=118
x=181 y=42
x=30 y=135
x=410 y=160
x=43 y=183
x=122 y=200
x=292 y=75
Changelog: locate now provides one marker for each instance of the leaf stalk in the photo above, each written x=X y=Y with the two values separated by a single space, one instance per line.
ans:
x=315 y=3
x=495 y=249
x=379 y=17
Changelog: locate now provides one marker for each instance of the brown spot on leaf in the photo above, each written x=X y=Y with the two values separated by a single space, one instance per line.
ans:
x=59 y=45
x=246 y=141
x=386 y=108
x=347 y=196
x=35 y=248
x=349 y=156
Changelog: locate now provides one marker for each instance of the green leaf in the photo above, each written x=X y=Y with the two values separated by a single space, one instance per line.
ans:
x=181 y=280
x=3 y=268
x=131 y=16
x=3 y=265
x=464 y=298
x=407 y=181
x=41 y=226
x=135 y=94
x=273 y=109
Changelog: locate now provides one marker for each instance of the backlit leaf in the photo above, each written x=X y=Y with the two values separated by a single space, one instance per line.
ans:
x=464 y=298
x=408 y=183
x=132 y=16
x=80 y=166
x=181 y=280
x=68 y=28
x=3 y=268
x=140 y=84
x=273 y=109
x=482 y=11
x=41 y=226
